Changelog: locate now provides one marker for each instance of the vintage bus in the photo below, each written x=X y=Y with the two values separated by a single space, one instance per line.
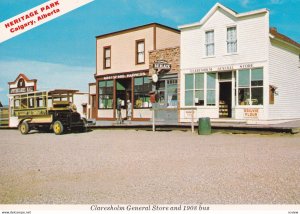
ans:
x=47 y=110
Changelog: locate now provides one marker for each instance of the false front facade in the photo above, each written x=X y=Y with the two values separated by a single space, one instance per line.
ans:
x=235 y=66
x=122 y=70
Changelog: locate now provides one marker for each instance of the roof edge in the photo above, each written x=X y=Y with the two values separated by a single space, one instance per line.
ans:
x=228 y=10
x=154 y=24
x=282 y=37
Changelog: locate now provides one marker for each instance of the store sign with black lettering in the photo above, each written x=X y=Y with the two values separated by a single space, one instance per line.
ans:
x=162 y=65
x=21 y=90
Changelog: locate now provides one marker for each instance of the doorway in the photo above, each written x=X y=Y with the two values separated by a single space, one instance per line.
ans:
x=225 y=100
x=123 y=92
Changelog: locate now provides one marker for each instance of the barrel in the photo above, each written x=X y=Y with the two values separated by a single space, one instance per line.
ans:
x=204 y=127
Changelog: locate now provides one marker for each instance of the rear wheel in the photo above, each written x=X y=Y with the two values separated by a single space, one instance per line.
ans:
x=58 y=128
x=24 y=128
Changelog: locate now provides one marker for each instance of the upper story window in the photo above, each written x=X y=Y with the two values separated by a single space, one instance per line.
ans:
x=140 y=51
x=107 y=57
x=210 y=43
x=231 y=40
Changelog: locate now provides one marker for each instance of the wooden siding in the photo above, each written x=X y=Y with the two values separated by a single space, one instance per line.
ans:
x=284 y=73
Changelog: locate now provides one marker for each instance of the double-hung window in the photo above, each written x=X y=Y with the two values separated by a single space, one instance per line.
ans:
x=210 y=43
x=250 y=87
x=231 y=40
x=140 y=51
x=107 y=57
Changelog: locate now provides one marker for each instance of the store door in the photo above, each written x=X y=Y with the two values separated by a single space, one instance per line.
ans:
x=94 y=107
x=225 y=100
x=123 y=93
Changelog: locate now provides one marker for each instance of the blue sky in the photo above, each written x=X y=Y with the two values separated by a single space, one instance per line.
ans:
x=61 y=53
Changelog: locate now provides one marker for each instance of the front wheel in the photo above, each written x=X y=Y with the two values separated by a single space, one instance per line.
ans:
x=24 y=128
x=58 y=128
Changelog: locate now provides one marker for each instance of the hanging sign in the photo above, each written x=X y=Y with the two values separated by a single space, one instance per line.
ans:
x=162 y=65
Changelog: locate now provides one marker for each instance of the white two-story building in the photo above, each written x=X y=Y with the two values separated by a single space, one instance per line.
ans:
x=233 y=65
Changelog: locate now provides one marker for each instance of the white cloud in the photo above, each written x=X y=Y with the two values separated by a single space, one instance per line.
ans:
x=245 y=3
x=152 y=8
x=49 y=75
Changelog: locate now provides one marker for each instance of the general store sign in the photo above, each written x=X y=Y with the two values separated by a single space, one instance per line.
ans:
x=224 y=68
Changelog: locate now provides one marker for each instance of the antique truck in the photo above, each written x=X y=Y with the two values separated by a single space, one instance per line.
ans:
x=46 y=111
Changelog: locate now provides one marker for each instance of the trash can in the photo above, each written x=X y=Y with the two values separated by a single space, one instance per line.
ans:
x=204 y=127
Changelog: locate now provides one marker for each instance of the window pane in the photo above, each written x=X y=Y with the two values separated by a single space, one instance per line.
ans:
x=172 y=95
x=188 y=98
x=199 y=98
x=244 y=96
x=225 y=76
x=257 y=96
x=146 y=80
x=142 y=100
x=189 y=81
x=211 y=97
x=257 y=74
x=141 y=57
x=102 y=83
x=244 y=78
x=107 y=52
x=141 y=47
x=105 y=101
x=107 y=63
x=199 y=81
x=138 y=81
x=211 y=81
x=210 y=50
x=109 y=83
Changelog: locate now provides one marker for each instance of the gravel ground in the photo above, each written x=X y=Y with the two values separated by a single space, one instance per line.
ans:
x=140 y=167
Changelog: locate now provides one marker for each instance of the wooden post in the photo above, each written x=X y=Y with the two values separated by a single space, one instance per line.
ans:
x=193 y=130
x=153 y=119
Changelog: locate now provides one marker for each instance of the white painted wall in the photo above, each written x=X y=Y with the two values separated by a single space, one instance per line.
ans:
x=79 y=99
x=252 y=48
x=284 y=74
x=251 y=39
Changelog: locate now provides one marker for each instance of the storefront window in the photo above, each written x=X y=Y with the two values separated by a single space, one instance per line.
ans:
x=250 y=91
x=199 y=90
x=142 y=87
x=172 y=93
x=211 y=89
x=189 y=89
x=195 y=90
x=106 y=94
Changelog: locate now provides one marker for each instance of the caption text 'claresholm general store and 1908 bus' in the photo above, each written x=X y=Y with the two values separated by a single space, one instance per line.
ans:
x=227 y=65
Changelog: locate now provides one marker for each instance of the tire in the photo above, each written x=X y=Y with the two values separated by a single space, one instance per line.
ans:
x=84 y=128
x=58 y=128
x=24 y=128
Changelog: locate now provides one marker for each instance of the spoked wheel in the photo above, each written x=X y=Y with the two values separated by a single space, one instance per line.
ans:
x=24 y=128
x=58 y=128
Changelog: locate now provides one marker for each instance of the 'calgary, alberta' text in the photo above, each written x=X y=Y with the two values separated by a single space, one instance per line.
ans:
x=33 y=17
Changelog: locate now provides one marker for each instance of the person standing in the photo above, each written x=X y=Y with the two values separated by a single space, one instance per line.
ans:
x=129 y=110
x=119 y=114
